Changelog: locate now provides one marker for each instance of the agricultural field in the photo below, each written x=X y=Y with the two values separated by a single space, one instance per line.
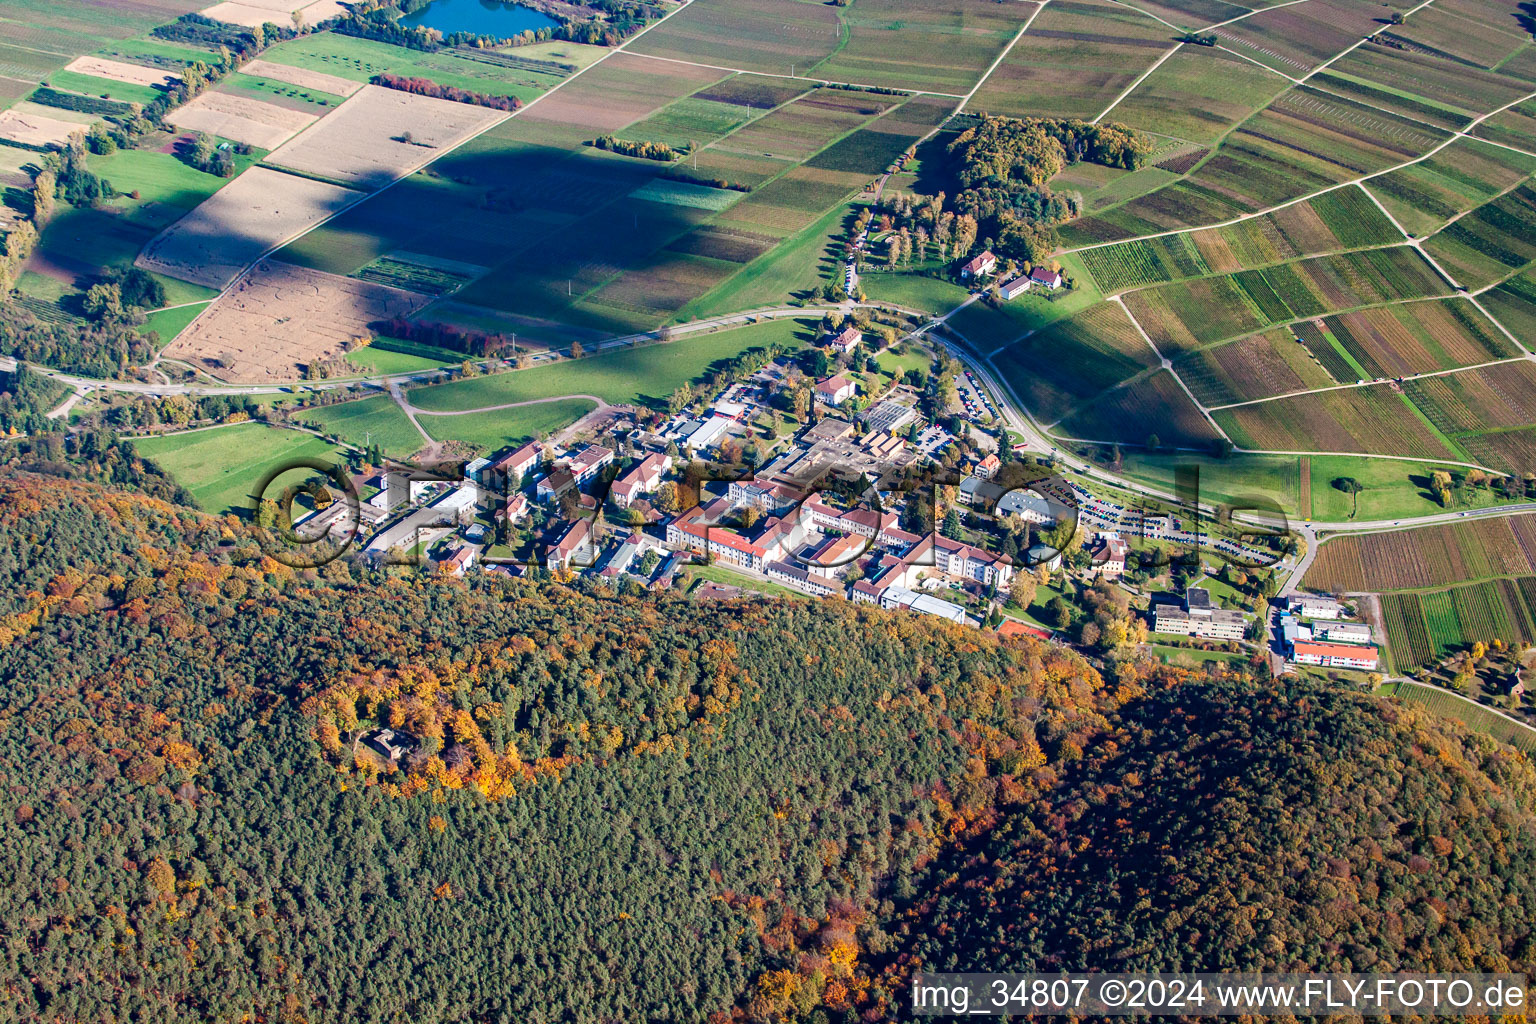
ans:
x=1424 y=196
x=280 y=319
x=1364 y=420
x=893 y=43
x=1476 y=717
x=1488 y=412
x=377 y=420
x=1255 y=367
x=1304 y=141
x=754 y=35
x=526 y=73
x=247 y=217
x=1429 y=557
x=1198 y=94
x=221 y=465
x=1183 y=316
x=1076 y=59
x=1059 y=367
x=239 y=118
x=1490 y=243
x=1342 y=219
x=1151 y=410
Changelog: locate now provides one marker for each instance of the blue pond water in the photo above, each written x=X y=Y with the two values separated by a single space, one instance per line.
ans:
x=482 y=17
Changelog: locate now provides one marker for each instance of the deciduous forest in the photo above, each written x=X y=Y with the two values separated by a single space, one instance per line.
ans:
x=626 y=807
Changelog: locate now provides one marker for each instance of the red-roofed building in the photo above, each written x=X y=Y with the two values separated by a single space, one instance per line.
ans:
x=1049 y=278
x=836 y=390
x=979 y=266
x=1313 y=652
x=642 y=478
x=578 y=534
x=846 y=340
x=987 y=467
x=520 y=461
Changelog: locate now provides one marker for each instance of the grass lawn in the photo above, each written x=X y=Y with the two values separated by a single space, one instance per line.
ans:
x=492 y=430
x=914 y=291
x=167 y=186
x=622 y=375
x=1232 y=480
x=1393 y=490
x=379 y=417
x=222 y=465
x=90 y=85
x=720 y=573
x=1168 y=654
x=383 y=361
x=913 y=358
x=168 y=323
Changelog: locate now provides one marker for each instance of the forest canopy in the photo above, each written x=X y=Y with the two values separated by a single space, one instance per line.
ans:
x=628 y=806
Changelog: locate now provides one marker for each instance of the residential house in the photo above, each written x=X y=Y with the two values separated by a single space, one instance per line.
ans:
x=836 y=390
x=987 y=468
x=517 y=509
x=460 y=559
x=979 y=266
x=1046 y=278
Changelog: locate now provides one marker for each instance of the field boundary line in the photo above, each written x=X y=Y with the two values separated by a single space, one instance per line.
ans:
x=1258 y=64
x=1370 y=384
x=1167 y=364
x=1002 y=56
x=776 y=74
x=1144 y=76
x=1464 y=133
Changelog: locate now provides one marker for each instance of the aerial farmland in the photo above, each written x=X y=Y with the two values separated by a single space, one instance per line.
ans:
x=1261 y=235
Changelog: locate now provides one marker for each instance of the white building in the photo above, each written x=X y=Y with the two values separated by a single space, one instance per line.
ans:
x=901 y=597
x=1311 y=606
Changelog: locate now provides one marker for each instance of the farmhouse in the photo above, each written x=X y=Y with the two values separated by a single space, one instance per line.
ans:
x=845 y=341
x=1014 y=288
x=1047 y=278
x=979 y=266
x=836 y=390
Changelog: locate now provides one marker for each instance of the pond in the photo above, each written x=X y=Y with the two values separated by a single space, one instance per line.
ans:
x=481 y=17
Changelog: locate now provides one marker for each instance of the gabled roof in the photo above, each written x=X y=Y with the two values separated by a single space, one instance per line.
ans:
x=1044 y=276
x=832 y=385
